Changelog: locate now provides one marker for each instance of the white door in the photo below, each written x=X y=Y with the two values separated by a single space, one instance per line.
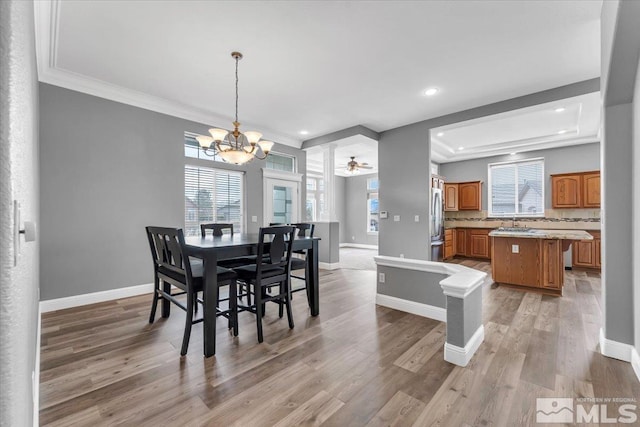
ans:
x=281 y=197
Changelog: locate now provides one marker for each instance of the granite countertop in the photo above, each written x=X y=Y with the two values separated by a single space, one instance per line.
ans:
x=544 y=234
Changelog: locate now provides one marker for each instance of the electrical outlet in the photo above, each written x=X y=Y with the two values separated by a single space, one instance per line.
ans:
x=396 y=218
x=401 y=255
x=381 y=277
x=515 y=249
x=416 y=218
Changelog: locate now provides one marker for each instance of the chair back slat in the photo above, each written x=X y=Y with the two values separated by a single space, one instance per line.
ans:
x=217 y=229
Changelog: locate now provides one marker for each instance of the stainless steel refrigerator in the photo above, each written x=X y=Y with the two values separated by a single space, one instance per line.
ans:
x=437 y=225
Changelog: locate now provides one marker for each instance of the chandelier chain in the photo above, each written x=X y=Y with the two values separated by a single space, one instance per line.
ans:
x=237 y=88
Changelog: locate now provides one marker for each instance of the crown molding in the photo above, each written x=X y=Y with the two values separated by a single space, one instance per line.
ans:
x=47 y=17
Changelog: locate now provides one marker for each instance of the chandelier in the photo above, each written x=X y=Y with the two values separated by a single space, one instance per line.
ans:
x=235 y=147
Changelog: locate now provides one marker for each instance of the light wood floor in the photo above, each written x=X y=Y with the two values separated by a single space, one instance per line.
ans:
x=356 y=364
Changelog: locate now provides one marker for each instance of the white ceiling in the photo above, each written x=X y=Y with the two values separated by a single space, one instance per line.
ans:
x=527 y=129
x=316 y=66
x=364 y=149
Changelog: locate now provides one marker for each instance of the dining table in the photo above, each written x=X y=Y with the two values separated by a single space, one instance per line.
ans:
x=211 y=249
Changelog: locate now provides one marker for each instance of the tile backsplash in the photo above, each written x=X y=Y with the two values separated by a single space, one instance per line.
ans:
x=584 y=219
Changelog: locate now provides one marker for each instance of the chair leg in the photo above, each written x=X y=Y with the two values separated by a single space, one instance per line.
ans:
x=288 y=303
x=166 y=304
x=187 y=326
x=280 y=305
x=154 y=304
x=259 y=311
x=233 y=306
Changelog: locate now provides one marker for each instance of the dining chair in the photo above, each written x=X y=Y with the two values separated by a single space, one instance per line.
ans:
x=173 y=267
x=298 y=263
x=272 y=268
x=216 y=228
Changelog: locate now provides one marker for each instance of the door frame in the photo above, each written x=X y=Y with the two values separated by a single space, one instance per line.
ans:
x=270 y=175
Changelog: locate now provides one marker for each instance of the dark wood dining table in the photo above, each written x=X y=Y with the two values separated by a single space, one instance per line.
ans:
x=213 y=248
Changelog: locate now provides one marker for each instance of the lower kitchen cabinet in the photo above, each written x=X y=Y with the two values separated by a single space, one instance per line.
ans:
x=586 y=253
x=449 y=243
x=473 y=242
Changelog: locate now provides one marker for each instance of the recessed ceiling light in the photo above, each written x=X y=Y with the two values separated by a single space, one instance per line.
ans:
x=460 y=148
x=560 y=132
x=431 y=91
x=513 y=154
x=304 y=132
x=559 y=110
x=440 y=133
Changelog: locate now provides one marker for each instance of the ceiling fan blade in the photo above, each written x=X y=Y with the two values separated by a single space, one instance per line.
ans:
x=365 y=167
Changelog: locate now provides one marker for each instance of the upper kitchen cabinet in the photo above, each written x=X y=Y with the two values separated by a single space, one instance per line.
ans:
x=575 y=190
x=463 y=196
x=450 y=197
x=470 y=196
x=591 y=190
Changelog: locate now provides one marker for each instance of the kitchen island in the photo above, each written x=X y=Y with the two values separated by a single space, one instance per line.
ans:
x=531 y=258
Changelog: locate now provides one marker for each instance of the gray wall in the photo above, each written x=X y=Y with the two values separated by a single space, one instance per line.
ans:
x=576 y=158
x=464 y=317
x=107 y=171
x=636 y=209
x=340 y=187
x=404 y=156
x=356 y=211
x=621 y=47
x=18 y=181
x=413 y=285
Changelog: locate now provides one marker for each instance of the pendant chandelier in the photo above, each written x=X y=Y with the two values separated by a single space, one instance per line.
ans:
x=235 y=147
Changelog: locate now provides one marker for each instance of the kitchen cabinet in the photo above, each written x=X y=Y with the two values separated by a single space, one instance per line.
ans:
x=450 y=197
x=591 y=190
x=449 y=243
x=470 y=196
x=461 y=241
x=575 y=190
x=586 y=253
x=472 y=242
x=463 y=196
x=437 y=181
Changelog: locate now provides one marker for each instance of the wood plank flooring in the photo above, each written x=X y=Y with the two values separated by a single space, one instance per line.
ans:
x=356 y=364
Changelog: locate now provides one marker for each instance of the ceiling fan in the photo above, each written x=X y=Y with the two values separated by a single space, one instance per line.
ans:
x=354 y=167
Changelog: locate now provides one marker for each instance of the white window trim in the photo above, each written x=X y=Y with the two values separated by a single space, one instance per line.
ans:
x=490 y=213
x=287 y=176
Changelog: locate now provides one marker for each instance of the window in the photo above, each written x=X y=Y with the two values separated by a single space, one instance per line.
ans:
x=516 y=188
x=372 y=205
x=281 y=162
x=192 y=149
x=212 y=195
x=315 y=197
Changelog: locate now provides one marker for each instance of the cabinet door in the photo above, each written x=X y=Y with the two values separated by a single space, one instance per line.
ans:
x=552 y=264
x=469 y=196
x=478 y=244
x=591 y=190
x=566 y=191
x=461 y=242
x=597 y=253
x=583 y=253
x=450 y=197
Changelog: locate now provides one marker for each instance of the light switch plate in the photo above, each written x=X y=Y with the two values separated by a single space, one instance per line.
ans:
x=416 y=218
x=515 y=249
x=396 y=218
x=383 y=214
x=254 y=218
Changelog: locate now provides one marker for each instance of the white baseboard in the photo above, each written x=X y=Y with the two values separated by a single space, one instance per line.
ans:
x=358 y=246
x=94 y=297
x=635 y=362
x=615 y=349
x=328 y=265
x=420 y=309
x=462 y=355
